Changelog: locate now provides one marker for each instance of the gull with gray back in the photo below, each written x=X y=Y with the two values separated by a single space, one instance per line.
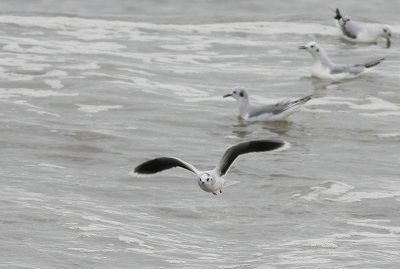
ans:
x=324 y=68
x=360 y=32
x=265 y=112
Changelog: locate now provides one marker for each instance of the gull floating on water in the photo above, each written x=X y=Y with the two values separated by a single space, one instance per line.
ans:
x=355 y=31
x=211 y=180
x=272 y=112
x=324 y=68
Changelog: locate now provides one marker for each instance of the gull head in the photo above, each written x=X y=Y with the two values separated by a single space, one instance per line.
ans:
x=386 y=33
x=239 y=93
x=313 y=48
x=205 y=180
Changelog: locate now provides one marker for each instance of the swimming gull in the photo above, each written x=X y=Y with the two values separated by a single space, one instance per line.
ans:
x=262 y=112
x=361 y=32
x=324 y=68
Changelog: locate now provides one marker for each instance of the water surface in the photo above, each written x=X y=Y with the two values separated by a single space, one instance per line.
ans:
x=91 y=89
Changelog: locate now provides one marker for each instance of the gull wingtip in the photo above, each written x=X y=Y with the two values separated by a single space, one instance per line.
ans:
x=135 y=173
x=286 y=145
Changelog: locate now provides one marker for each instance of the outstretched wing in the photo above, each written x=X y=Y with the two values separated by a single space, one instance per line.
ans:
x=160 y=164
x=246 y=147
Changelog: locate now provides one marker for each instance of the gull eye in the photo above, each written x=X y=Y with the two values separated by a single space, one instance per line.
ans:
x=208 y=179
x=234 y=92
x=385 y=30
x=312 y=46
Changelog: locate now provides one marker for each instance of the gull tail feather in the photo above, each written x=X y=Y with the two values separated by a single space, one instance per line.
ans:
x=338 y=15
x=298 y=102
x=373 y=63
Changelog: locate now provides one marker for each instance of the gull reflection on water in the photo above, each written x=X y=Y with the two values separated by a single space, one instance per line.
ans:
x=244 y=129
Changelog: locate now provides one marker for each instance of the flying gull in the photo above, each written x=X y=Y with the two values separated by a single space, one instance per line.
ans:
x=211 y=180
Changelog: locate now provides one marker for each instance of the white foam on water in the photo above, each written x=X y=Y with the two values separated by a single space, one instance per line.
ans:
x=55 y=84
x=380 y=107
x=160 y=237
x=24 y=63
x=42 y=112
x=87 y=66
x=15 y=92
x=381 y=114
x=234 y=266
x=302 y=259
x=316 y=110
x=53 y=47
x=102 y=220
x=131 y=127
x=30 y=199
x=49 y=165
x=389 y=229
x=133 y=240
x=351 y=197
x=25 y=103
x=33 y=33
x=185 y=47
x=83 y=250
x=328 y=242
x=141 y=250
x=388 y=135
x=35 y=109
x=327 y=190
x=86 y=250
x=176 y=261
x=97 y=109
x=91 y=227
x=56 y=73
x=97 y=27
x=374 y=235
x=202 y=99
x=153 y=86
x=339 y=235
x=377 y=104
x=374 y=103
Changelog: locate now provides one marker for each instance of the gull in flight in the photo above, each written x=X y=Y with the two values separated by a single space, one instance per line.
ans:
x=361 y=32
x=324 y=68
x=262 y=112
x=211 y=180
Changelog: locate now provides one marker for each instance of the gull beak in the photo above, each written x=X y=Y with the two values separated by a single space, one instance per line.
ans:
x=302 y=47
x=388 y=42
x=227 y=95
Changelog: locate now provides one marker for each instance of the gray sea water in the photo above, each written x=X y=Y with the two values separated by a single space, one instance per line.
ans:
x=90 y=89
